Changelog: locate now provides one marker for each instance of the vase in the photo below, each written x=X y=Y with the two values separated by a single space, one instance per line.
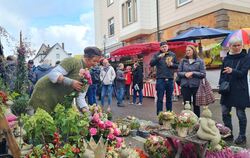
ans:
x=167 y=124
x=182 y=131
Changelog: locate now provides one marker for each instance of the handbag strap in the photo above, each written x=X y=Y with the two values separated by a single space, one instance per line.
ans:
x=237 y=65
x=105 y=75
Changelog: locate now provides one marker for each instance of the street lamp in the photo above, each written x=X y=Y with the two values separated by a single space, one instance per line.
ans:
x=104 y=45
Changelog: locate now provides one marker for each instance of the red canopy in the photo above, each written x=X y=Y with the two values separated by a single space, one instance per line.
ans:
x=134 y=49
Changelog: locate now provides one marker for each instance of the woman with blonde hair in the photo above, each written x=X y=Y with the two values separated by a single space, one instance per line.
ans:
x=191 y=71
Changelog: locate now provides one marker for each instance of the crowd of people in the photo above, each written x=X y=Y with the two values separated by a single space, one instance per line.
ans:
x=108 y=81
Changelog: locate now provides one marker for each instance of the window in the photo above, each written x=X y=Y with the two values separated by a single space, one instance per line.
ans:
x=182 y=2
x=57 y=56
x=129 y=12
x=129 y=7
x=109 y=2
x=111 y=26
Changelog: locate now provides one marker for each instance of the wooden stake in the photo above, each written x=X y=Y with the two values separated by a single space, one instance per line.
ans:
x=15 y=151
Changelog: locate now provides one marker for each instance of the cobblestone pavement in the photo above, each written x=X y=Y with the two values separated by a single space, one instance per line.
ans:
x=147 y=111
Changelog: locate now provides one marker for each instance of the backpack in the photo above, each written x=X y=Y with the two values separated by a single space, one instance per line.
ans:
x=95 y=75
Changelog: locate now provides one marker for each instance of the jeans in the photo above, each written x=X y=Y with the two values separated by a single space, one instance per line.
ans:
x=107 y=90
x=187 y=93
x=91 y=94
x=135 y=94
x=120 y=95
x=161 y=86
x=127 y=92
x=227 y=118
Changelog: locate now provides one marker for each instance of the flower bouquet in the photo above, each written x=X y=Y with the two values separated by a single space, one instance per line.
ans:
x=183 y=122
x=157 y=146
x=86 y=80
x=167 y=118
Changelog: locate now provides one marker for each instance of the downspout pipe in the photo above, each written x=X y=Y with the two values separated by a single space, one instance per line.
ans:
x=158 y=21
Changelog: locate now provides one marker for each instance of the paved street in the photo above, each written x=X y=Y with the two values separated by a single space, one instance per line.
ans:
x=148 y=112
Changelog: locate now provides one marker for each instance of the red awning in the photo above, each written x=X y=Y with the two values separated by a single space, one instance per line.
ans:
x=140 y=48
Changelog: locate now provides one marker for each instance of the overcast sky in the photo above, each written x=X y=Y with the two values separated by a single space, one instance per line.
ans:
x=49 y=22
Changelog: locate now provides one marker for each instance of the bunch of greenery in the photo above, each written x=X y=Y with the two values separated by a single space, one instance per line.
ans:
x=20 y=103
x=40 y=127
x=71 y=124
x=134 y=124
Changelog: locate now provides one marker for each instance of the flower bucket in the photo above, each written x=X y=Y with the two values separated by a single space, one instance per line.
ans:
x=133 y=133
x=182 y=131
x=167 y=124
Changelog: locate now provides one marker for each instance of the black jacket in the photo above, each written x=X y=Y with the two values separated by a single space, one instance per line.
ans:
x=138 y=77
x=239 y=95
x=162 y=70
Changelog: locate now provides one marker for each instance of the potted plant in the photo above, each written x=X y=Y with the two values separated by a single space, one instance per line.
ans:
x=166 y=118
x=183 y=122
x=134 y=126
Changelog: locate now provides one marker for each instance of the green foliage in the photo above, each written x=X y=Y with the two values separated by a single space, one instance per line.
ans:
x=21 y=84
x=215 y=51
x=68 y=99
x=72 y=125
x=134 y=124
x=3 y=86
x=39 y=127
x=20 y=103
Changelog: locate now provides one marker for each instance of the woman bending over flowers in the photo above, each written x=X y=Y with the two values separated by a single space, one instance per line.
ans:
x=71 y=75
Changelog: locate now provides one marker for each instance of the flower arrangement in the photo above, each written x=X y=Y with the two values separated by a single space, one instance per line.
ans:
x=184 y=120
x=166 y=119
x=100 y=126
x=166 y=116
x=157 y=146
x=85 y=78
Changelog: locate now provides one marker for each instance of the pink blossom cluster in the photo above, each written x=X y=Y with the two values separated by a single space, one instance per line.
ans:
x=106 y=128
x=85 y=74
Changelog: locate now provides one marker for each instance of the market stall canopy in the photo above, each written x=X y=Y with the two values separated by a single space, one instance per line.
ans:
x=243 y=34
x=151 y=47
x=198 y=33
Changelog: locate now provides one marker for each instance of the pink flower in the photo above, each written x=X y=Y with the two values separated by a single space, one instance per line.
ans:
x=111 y=136
x=82 y=72
x=93 y=131
x=119 y=142
x=96 y=118
x=108 y=109
x=101 y=125
x=111 y=130
x=108 y=124
x=117 y=132
x=96 y=109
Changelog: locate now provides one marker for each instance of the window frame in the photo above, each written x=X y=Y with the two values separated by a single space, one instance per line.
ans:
x=129 y=12
x=178 y=4
x=109 y=26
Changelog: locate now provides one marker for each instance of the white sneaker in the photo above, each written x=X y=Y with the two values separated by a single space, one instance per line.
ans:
x=139 y=103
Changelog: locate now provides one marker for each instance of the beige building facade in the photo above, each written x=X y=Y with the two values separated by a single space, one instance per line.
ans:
x=124 y=22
